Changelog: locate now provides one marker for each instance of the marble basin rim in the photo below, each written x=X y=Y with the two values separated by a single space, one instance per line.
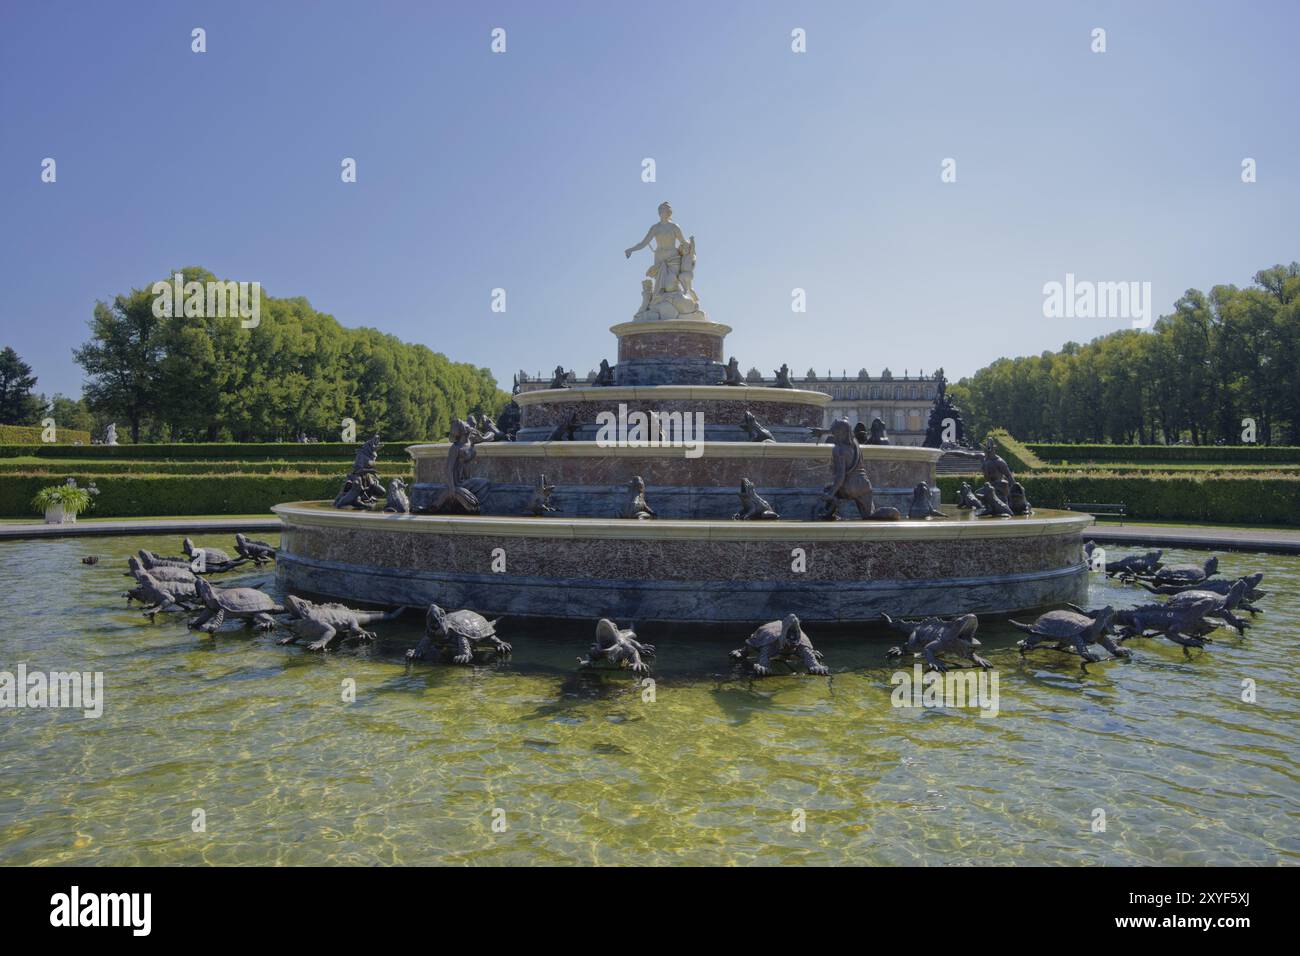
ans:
x=964 y=526
x=685 y=571
x=710 y=449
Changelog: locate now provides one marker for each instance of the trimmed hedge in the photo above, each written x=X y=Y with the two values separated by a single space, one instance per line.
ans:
x=338 y=467
x=31 y=435
x=1017 y=455
x=216 y=451
x=135 y=496
x=1206 y=454
x=1221 y=499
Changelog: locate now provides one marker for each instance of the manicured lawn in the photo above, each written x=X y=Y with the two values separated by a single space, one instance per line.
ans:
x=1146 y=467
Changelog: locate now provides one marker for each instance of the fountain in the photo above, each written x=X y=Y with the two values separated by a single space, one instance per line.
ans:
x=641 y=480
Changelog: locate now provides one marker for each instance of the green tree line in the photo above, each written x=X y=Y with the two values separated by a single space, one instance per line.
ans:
x=1217 y=359
x=297 y=372
x=20 y=405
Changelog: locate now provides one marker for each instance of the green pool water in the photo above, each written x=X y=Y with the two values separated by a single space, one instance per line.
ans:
x=529 y=762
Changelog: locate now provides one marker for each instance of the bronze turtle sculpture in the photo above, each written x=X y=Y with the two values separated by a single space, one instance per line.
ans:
x=150 y=560
x=1075 y=629
x=1184 y=574
x=934 y=636
x=1214 y=585
x=462 y=630
x=1217 y=585
x=248 y=604
x=1222 y=605
x=163 y=597
x=780 y=641
x=209 y=560
x=162 y=572
x=1133 y=564
x=619 y=647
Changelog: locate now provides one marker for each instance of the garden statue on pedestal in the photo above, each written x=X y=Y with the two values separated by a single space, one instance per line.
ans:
x=669 y=290
x=942 y=411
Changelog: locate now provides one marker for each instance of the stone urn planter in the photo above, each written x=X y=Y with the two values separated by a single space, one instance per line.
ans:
x=60 y=504
x=55 y=514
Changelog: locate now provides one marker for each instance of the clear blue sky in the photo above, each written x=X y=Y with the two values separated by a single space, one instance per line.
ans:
x=522 y=170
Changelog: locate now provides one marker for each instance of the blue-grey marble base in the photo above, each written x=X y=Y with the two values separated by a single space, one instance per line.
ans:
x=669 y=371
x=693 y=601
x=588 y=431
x=607 y=501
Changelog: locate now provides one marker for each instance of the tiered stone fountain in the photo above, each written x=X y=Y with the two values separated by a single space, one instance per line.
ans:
x=693 y=562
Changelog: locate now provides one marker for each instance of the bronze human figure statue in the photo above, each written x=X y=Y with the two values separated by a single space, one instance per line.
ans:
x=606 y=374
x=995 y=469
x=462 y=493
x=362 y=487
x=367 y=456
x=560 y=379
x=878 y=435
x=849 y=481
x=783 y=377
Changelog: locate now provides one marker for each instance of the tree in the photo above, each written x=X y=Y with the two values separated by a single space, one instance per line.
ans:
x=70 y=413
x=1217 y=358
x=18 y=406
x=207 y=378
x=122 y=360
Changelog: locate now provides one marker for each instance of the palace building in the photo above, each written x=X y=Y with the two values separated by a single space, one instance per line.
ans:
x=901 y=402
